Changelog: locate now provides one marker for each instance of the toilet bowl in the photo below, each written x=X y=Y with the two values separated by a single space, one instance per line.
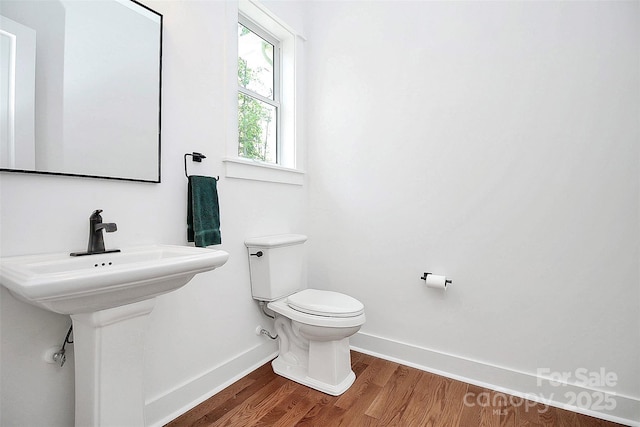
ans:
x=313 y=326
x=314 y=348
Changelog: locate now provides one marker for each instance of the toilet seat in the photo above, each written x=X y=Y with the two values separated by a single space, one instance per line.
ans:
x=325 y=303
x=283 y=308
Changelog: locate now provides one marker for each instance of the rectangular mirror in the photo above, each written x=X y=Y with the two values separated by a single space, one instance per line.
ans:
x=80 y=88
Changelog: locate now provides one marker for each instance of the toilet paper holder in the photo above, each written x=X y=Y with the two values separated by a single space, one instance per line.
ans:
x=424 y=277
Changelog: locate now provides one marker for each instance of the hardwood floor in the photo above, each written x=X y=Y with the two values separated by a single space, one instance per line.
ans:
x=384 y=394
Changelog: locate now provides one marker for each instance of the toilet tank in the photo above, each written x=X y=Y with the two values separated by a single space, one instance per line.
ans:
x=279 y=271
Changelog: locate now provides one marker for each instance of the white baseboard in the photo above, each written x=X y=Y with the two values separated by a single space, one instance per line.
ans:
x=599 y=403
x=159 y=410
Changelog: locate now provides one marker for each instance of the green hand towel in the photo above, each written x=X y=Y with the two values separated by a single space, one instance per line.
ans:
x=203 y=213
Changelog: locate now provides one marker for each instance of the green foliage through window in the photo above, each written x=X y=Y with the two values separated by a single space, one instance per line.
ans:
x=257 y=115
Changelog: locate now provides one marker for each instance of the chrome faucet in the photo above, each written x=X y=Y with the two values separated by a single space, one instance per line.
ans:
x=96 y=239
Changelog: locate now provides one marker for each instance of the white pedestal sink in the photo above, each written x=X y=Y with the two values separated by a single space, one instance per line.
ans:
x=109 y=298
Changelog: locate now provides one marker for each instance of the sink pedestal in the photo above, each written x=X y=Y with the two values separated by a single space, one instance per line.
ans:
x=109 y=355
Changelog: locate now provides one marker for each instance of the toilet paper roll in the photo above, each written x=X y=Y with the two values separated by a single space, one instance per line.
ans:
x=437 y=282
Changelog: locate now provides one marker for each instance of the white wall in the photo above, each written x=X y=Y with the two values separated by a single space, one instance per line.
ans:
x=202 y=335
x=496 y=143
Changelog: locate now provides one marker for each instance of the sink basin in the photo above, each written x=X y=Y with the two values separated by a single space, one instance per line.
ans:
x=72 y=285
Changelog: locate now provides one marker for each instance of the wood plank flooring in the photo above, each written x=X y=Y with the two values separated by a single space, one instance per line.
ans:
x=384 y=394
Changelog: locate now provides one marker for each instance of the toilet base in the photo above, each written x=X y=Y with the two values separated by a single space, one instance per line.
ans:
x=299 y=375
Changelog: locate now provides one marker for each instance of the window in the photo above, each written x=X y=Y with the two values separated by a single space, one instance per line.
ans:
x=264 y=83
x=259 y=94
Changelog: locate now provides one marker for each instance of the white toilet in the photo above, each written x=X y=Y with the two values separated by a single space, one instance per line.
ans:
x=313 y=326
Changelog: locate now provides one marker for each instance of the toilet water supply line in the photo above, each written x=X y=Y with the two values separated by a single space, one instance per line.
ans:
x=261 y=330
x=263 y=306
x=282 y=326
x=268 y=334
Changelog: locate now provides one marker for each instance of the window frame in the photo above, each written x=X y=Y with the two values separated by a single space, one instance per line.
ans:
x=291 y=170
x=276 y=102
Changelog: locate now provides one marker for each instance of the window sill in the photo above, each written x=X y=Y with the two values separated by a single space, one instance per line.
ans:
x=258 y=171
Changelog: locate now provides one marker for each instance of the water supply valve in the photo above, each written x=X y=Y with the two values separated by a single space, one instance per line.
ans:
x=60 y=357
x=58 y=354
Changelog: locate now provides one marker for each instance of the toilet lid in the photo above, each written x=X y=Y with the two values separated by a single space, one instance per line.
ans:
x=325 y=303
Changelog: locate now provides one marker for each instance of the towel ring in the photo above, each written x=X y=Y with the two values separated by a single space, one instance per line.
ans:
x=196 y=157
